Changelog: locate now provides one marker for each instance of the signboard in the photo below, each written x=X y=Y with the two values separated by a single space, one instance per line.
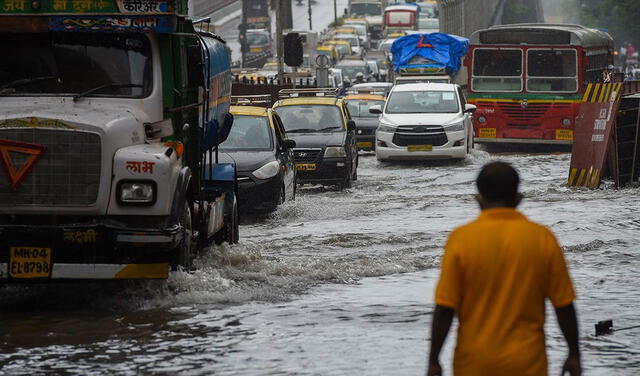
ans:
x=45 y=7
x=158 y=24
x=593 y=135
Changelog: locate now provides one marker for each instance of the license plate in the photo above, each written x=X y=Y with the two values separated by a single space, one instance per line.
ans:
x=564 y=134
x=306 y=166
x=487 y=133
x=365 y=144
x=413 y=148
x=256 y=49
x=29 y=262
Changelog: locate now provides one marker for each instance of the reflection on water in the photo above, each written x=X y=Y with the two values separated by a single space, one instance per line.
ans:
x=334 y=283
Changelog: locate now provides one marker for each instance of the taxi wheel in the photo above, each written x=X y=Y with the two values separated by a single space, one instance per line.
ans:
x=184 y=252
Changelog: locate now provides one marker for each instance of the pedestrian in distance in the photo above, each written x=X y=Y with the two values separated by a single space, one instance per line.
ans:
x=496 y=274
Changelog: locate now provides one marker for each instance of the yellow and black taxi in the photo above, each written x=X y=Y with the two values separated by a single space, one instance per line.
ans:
x=324 y=133
x=262 y=154
x=366 y=122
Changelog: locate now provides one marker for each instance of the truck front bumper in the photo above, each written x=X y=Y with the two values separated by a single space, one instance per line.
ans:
x=85 y=251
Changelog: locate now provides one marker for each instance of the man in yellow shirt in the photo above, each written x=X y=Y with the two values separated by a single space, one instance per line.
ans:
x=497 y=272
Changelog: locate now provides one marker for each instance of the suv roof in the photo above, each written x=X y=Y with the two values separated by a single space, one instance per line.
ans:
x=425 y=86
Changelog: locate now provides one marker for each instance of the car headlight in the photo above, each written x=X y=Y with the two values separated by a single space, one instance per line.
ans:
x=454 y=127
x=137 y=192
x=385 y=128
x=267 y=171
x=335 y=152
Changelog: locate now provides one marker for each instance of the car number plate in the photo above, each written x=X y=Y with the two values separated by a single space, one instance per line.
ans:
x=306 y=166
x=365 y=144
x=255 y=49
x=29 y=262
x=564 y=134
x=487 y=133
x=413 y=148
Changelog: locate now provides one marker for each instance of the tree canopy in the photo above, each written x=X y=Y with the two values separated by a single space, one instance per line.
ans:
x=619 y=17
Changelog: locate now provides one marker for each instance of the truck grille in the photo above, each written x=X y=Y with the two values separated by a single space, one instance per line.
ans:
x=307 y=155
x=420 y=135
x=68 y=174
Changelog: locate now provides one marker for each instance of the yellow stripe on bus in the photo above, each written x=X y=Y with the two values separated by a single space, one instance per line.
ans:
x=587 y=92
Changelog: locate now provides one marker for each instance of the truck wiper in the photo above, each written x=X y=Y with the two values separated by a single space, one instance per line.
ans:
x=302 y=130
x=102 y=87
x=25 y=81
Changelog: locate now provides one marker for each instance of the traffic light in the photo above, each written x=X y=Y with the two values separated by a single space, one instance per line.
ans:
x=293 y=50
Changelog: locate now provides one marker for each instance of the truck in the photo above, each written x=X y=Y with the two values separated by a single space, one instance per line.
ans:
x=435 y=57
x=372 y=11
x=110 y=116
x=255 y=14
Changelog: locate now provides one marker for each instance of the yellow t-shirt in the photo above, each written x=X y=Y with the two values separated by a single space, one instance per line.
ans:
x=496 y=273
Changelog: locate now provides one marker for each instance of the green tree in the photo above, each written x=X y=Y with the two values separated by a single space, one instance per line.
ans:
x=619 y=17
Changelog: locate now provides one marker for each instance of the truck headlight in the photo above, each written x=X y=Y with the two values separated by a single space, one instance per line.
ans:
x=454 y=127
x=137 y=192
x=335 y=152
x=385 y=128
x=267 y=171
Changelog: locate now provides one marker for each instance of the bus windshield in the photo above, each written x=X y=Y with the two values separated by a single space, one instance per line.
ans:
x=552 y=70
x=497 y=70
x=97 y=64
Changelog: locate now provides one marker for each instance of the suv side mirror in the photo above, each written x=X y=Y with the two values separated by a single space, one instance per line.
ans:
x=351 y=125
x=469 y=108
x=288 y=144
x=376 y=109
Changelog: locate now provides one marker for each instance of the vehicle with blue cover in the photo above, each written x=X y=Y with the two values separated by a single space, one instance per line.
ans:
x=111 y=112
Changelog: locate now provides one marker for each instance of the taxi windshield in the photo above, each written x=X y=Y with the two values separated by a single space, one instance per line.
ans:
x=248 y=133
x=101 y=64
x=311 y=118
x=360 y=108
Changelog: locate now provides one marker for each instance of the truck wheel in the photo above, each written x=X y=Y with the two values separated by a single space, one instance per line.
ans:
x=229 y=232
x=184 y=252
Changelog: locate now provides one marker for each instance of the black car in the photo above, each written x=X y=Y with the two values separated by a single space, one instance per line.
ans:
x=263 y=157
x=324 y=132
x=366 y=122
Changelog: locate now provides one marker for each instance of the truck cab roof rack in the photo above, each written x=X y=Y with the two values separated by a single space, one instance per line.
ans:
x=263 y=100
x=315 y=92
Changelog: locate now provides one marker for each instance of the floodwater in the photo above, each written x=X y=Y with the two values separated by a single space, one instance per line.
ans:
x=335 y=283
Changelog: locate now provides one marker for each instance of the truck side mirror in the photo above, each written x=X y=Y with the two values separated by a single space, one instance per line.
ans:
x=351 y=125
x=377 y=109
x=195 y=65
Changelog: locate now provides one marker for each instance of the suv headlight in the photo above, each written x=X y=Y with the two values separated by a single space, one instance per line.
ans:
x=454 y=127
x=335 y=152
x=267 y=171
x=385 y=128
x=137 y=192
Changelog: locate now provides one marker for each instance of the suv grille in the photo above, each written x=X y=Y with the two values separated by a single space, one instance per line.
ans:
x=307 y=155
x=420 y=135
x=68 y=174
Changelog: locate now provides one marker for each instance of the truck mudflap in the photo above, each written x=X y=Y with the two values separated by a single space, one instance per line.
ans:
x=85 y=252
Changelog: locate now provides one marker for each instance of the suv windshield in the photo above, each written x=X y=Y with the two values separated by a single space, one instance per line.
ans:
x=311 y=118
x=248 y=133
x=360 y=108
x=73 y=63
x=422 y=102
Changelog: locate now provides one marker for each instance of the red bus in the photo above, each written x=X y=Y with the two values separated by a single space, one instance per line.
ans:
x=527 y=80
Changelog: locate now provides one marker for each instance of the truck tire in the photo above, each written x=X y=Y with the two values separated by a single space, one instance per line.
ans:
x=184 y=252
x=229 y=232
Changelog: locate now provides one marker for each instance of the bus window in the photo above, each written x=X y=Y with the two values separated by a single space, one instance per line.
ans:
x=552 y=70
x=497 y=70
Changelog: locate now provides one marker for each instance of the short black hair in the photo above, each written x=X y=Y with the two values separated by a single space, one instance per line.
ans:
x=498 y=181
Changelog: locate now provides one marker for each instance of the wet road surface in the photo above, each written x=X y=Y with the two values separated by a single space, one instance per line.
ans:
x=335 y=283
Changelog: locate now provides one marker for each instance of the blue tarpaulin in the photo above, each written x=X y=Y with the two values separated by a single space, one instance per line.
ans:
x=439 y=49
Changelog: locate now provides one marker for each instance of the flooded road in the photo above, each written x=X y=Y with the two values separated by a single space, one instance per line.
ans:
x=335 y=283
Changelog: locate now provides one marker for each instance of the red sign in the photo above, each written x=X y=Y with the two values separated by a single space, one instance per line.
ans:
x=17 y=175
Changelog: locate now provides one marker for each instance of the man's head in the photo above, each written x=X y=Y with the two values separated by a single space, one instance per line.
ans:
x=498 y=186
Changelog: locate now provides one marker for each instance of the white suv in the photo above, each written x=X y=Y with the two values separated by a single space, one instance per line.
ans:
x=424 y=121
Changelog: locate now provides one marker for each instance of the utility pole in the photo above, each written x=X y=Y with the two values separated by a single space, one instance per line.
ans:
x=280 y=41
x=310 y=23
x=335 y=12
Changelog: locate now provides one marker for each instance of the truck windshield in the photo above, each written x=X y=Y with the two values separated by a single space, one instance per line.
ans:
x=552 y=70
x=422 y=102
x=311 y=118
x=497 y=70
x=248 y=133
x=365 y=9
x=35 y=64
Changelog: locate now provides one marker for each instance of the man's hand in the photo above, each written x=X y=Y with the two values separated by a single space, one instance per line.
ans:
x=434 y=369
x=572 y=365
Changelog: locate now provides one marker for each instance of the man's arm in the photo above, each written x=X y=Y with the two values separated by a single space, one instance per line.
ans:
x=569 y=326
x=442 y=319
